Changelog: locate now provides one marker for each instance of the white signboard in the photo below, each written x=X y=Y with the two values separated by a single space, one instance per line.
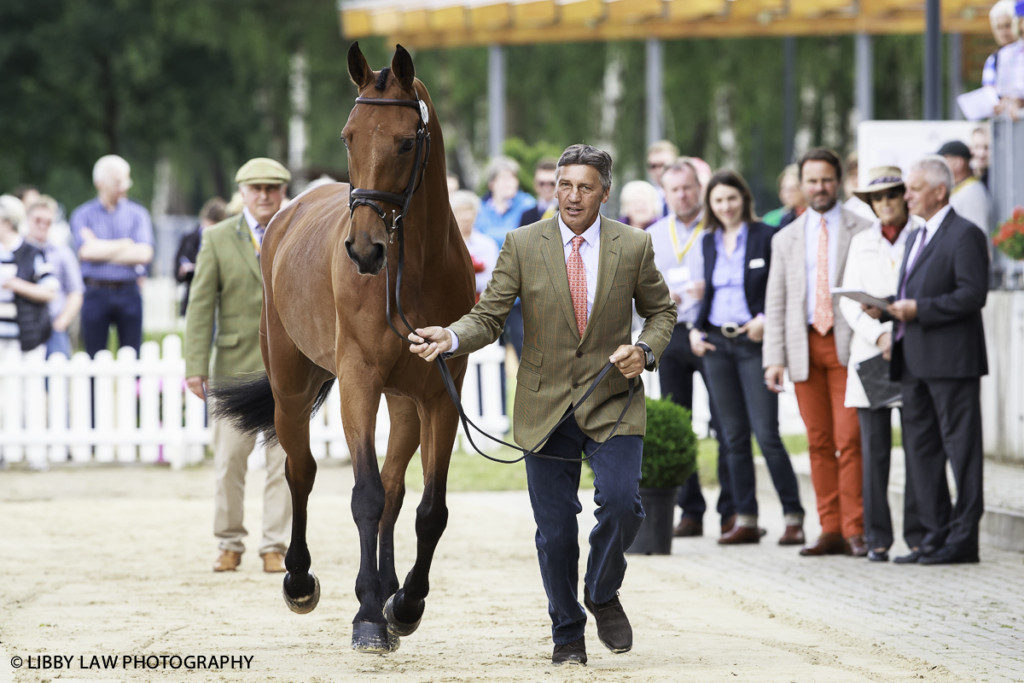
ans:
x=901 y=143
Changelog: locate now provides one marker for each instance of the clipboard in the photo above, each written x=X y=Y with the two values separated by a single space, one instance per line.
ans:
x=861 y=297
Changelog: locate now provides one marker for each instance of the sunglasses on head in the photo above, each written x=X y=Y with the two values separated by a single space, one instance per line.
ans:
x=891 y=193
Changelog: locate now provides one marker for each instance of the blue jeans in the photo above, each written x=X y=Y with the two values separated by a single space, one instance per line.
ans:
x=553 y=488
x=676 y=376
x=736 y=384
x=59 y=342
x=106 y=306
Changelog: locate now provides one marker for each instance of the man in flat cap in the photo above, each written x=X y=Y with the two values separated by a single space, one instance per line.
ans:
x=222 y=341
x=969 y=198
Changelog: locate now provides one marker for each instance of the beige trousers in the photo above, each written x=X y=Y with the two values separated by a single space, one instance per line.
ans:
x=231 y=449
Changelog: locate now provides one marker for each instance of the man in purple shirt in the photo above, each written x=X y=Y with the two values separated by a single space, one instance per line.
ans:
x=113 y=237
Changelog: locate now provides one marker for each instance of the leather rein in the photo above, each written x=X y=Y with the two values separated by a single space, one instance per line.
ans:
x=372 y=199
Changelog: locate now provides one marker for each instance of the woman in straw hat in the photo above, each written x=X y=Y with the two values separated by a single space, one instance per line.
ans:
x=873 y=266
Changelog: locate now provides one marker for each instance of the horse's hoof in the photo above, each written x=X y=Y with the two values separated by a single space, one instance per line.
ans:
x=373 y=638
x=395 y=626
x=302 y=604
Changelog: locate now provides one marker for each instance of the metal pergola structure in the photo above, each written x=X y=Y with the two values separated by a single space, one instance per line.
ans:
x=498 y=23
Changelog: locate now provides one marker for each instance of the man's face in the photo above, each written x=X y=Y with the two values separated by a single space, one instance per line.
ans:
x=979 y=150
x=580 y=196
x=922 y=199
x=544 y=185
x=113 y=187
x=819 y=185
x=656 y=164
x=39 y=221
x=1002 y=30
x=682 y=193
x=262 y=200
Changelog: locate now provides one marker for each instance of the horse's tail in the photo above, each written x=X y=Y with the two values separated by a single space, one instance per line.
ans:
x=249 y=404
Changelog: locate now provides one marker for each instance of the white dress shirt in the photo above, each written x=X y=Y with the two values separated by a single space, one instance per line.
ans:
x=590 y=252
x=833 y=219
x=931 y=226
x=679 y=269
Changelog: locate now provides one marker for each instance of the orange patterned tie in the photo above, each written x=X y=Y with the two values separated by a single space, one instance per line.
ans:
x=577 y=283
x=822 y=298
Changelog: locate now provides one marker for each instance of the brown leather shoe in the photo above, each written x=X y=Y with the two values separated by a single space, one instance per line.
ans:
x=273 y=563
x=228 y=561
x=858 y=546
x=728 y=523
x=827 y=544
x=741 y=534
x=688 y=527
x=793 y=535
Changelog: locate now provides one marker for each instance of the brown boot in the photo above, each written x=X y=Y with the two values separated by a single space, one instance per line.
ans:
x=829 y=543
x=793 y=535
x=228 y=561
x=273 y=563
x=688 y=527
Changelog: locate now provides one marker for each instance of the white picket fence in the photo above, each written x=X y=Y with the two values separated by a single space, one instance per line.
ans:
x=129 y=409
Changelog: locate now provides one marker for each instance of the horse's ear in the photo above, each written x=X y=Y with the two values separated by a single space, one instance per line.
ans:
x=401 y=66
x=358 y=70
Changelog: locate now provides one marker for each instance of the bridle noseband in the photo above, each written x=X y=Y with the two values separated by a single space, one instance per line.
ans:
x=373 y=198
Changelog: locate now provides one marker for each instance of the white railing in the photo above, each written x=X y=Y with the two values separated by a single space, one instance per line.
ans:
x=129 y=409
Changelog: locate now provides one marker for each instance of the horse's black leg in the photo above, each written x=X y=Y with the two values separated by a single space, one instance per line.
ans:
x=403 y=439
x=440 y=422
x=301 y=587
x=359 y=411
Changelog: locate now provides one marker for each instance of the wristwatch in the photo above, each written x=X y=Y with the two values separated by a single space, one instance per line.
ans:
x=649 y=358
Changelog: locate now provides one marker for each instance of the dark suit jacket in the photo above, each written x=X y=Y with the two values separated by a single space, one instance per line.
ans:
x=949 y=282
x=755 y=279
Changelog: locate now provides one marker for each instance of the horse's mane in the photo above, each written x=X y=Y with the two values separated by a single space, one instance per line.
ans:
x=382 y=78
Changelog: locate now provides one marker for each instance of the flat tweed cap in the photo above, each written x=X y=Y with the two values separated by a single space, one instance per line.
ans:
x=262 y=171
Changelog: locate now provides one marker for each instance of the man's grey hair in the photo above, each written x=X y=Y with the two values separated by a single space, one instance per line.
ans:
x=107 y=165
x=683 y=164
x=1003 y=8
x=464 y=199
x=499 y=164
x=936 y=172
x=586 y=155
x=12 y=210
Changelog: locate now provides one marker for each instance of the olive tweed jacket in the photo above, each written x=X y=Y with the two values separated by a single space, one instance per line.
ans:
x=557 y=365
x=225 y=300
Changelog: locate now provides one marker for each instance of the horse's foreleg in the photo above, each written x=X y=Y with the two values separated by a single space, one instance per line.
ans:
x=358 y=415
x=437 y=436
x=403 y=439
x=301 y=587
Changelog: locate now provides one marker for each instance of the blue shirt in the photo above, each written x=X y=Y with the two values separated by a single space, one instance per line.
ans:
x=126 y=220
x=496 y=225
x=729 y=303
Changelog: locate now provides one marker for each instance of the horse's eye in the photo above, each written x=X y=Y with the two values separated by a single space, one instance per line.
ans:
x=344 y=141
x=406 y=146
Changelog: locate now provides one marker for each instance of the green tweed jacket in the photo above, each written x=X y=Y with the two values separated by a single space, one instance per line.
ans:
x=557 y=366
x=225 y=302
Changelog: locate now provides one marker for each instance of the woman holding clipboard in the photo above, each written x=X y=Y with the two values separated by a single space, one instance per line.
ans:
x=728 y=335
x=873 y=267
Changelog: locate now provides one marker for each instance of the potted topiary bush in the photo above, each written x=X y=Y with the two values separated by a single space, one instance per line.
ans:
x=670 y=457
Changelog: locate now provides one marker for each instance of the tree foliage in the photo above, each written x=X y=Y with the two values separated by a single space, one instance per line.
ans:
x=205 y=85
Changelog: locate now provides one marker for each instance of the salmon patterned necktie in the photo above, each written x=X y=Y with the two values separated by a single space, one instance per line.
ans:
x=577 y=284
x=822 y=299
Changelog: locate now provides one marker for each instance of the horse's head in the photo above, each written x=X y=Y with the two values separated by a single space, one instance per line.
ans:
x=387 y=146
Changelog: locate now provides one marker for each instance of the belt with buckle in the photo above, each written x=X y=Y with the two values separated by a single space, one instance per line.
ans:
x=108 y=284
x=728 y=330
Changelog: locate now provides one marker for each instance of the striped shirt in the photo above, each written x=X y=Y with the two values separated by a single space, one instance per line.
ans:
x=126 y=220
x=42 y=275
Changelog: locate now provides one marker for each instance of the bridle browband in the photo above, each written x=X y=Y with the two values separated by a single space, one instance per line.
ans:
x=371 y=198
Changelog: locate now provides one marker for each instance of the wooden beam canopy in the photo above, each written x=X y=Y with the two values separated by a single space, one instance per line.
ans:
x=455 y=23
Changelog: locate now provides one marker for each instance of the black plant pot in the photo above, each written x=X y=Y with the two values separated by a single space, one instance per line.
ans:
x=655 y=534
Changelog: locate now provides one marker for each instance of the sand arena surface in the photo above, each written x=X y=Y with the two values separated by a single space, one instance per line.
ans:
x=116 y=561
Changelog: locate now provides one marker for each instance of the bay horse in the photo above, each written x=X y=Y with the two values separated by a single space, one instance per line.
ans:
x=325 y=317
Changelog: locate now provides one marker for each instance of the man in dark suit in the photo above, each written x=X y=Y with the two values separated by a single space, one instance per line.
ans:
x=544 y=188
x=939 y=357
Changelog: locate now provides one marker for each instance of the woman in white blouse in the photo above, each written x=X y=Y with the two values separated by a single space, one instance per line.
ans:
x=873 y=266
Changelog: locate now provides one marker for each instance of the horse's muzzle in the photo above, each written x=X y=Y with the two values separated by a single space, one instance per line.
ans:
x=368 y=257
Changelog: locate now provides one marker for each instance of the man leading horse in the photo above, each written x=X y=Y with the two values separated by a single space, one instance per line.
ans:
x=577 y=274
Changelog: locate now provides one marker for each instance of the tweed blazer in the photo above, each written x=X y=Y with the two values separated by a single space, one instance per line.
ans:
x=557 y=364
x=222 y=322
x=785 y=330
